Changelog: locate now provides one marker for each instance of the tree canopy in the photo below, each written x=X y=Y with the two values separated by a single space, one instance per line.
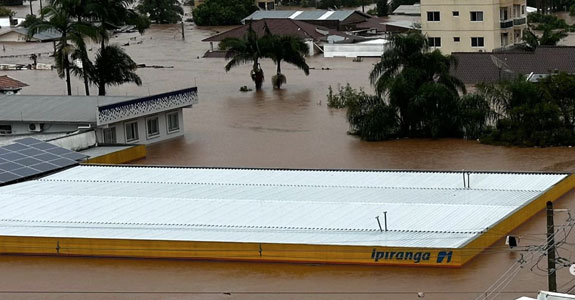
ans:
x=162 y=11
x=223 y=12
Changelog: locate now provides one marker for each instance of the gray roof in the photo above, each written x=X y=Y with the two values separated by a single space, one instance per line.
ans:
x=317 y=207
x=410 y=10
x=44 y=36
x=309 y=15
x=81 y=109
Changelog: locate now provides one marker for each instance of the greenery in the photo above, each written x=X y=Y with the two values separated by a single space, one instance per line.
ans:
x=162 y=11
x=251 y=48
x=416 y=97
x=553 y=30
x=6 y=12
x=323 y=4
x=223 y=12
x=29 y=20
x=79 y=20
x=382 y=8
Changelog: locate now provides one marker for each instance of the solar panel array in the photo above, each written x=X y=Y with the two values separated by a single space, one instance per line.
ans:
x=30 y=157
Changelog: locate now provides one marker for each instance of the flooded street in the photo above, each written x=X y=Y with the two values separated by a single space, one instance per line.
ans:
x=289 y=128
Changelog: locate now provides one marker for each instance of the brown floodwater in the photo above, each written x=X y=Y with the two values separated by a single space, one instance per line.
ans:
x=289 y=128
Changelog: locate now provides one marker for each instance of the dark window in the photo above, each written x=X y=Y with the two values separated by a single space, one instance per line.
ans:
x=456 y=13
x=456 y=39
x=477 y=42
x=110 y=135
x=5 y=129
x=434 y=42
x=433 y=16
x=173 y=122
x=477 y=16
x=132 y=131
x=152 y=126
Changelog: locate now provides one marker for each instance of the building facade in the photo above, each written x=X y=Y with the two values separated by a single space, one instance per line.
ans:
x=473 y=25
x=113 y=120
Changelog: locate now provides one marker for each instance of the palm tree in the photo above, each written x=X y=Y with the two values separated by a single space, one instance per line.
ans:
x=410 y=75
x=290 y=49
x=112 y=66
x=58 y=18
x=248 y=49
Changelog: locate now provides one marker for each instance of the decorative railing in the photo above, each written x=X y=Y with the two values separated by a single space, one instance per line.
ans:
x=147 y=105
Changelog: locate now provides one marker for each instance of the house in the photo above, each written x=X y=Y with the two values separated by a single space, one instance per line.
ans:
x=9 y=85
x=343 y=20
x=113 y=119
x=11 y=2
x=408 y=10
x=313 y=35
x=261 y=4
x=482 y=25
x=475 y=67
x=20 y=34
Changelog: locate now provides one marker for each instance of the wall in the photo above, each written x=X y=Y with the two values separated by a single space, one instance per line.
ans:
x=12 y=37
x=452 y=26
x=142 y=131
x=23 y=127
x=76 y=142
x=353 y=50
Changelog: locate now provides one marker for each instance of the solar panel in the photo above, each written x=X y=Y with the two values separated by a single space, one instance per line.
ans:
x=30 y=157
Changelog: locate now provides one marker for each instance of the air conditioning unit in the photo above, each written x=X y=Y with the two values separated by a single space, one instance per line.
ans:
x=36 y=127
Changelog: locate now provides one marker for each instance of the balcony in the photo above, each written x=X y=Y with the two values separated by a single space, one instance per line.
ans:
x=506 y=23
x=519 y=21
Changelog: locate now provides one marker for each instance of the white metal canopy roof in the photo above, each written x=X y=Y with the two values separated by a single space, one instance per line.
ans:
x=424 y=209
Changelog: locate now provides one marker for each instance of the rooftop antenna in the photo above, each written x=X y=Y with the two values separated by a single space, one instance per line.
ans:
x=501 y=65
x=379 y=223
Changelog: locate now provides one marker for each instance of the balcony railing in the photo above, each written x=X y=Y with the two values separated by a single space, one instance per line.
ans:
x=506 y=23
x=519 y=21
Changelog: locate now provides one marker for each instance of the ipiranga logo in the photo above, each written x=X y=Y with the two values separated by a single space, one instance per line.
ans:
x=415 y=257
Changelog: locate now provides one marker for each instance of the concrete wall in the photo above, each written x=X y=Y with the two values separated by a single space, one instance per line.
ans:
x=353 y=50
x=13 y=37
x=461 y=26
x=24 y=127
x=142 y=129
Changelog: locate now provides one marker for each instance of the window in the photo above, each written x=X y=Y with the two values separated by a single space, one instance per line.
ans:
x=132 y=131
x=152 y=127
x=173 y=122
x=109 y=135
x=476 y=16
x=433 y=16
x=522 y=10
x=477 y=42
x=456 y=13
x=456 y=39
x=434 y=42
x=5 y=129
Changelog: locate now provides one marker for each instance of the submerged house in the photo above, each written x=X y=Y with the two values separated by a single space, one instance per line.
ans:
x=315 y=36
x=478 y=67
x=20 y=34
x=9 y=85
x=111 y=120
x=338 y=19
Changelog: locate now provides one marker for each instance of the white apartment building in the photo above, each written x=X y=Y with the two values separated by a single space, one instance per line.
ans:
x=473 y=25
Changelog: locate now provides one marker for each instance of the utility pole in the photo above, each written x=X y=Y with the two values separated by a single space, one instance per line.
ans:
x=551 y=271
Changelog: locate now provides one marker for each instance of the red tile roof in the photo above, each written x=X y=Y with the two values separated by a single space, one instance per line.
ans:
x=8 y=83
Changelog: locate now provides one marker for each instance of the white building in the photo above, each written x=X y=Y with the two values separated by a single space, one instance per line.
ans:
x=115 y=120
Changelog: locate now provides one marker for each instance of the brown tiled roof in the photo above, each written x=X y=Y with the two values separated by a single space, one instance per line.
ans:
x=8 y=83
x=476 y=67
x=277 y=26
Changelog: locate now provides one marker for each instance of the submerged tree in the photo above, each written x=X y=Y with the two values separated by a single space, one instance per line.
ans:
x=418 y=83
x=59 y=18
x=286 y=48
x=248 y=49
x=112 y=66
x=162 y=11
